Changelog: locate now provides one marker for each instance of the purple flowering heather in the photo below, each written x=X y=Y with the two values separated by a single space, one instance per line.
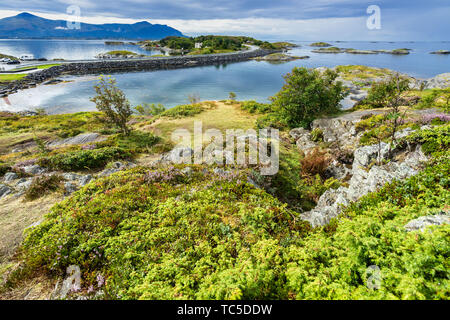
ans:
x=428 y=118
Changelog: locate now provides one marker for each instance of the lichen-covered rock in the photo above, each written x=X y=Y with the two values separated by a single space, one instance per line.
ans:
x=423 y=222
x=84 y=180
x=369 y=174
x=79 y=139
x=4 y=190
x=10 y=176
x=303 y=140
x=34 y=169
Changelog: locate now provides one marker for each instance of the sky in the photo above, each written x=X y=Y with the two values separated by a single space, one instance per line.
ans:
x=392 y=20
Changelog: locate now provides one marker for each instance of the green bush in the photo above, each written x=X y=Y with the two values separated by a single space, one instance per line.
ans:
x=255 y=107
x=84 y=159
x=432 y=140
x=162 y=234
x=387 y=93
x=187 y=110
x=146 y=109
x=43 y=185
x=317 y=135
x=306 y=95
x=4 y=168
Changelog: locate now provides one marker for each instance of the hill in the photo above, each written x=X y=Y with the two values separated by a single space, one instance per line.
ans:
x=28 y=26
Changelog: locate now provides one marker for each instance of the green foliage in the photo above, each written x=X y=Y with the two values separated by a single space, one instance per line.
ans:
x=317 y=135
x=436 y=98
x=271 y=120
x=162 y=234
x=187 y=110
x=306 y=95
x=112 y=102
x=332 y=263
x=135 y=142
x=387 y=93
x=146 y=109
x=432 y=140
x=4 y=168
x=84 y=159
x=43 y=185
x=232 y=96
x=255 y=107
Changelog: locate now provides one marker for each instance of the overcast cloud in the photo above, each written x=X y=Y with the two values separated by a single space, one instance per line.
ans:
x=296 y=19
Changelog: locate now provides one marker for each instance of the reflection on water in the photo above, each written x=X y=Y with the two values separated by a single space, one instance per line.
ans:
x=249 y=80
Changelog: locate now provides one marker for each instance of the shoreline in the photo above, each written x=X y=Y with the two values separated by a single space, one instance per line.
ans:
x=141 y=64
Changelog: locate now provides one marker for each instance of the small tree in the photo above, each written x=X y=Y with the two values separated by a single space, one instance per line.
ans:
x=194 y=98
x=111 y=101
x=306 y=95
x=232 y=96
x=388 y=93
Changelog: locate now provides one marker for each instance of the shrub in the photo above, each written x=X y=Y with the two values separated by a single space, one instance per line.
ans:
x=306 y=95
x=43 y=185
x=84 y=159
x=317 y=135
x=433 y=140
x=4 y=168
x=112 y=102
x=255 y=107
x=387 y=93
x=232 y=96
x=183 y=111
x=315 y=163
x=271 y=120
x=146 y=109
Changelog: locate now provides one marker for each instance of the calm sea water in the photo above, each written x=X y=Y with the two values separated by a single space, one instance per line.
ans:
x=249 y=80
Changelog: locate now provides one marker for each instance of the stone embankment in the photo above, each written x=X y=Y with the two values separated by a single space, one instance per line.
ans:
x=110 y=66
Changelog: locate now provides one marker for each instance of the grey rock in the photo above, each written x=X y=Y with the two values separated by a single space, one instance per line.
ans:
x=79 y=139
x=70 y=176
x=34 y=169
x=177 y=155
x=84 y=180
x=187 y=171
x=303 y=140
x=69 y=188
x=4 y=190
x=10 y=176
x=24 y=184
x=423 y=222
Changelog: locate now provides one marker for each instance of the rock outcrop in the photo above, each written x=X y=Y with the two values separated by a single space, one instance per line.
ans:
x=422 y=222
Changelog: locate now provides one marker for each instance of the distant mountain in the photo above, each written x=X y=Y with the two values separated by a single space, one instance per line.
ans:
x=26 y=26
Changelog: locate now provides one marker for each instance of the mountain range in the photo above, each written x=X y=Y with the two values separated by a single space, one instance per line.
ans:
x=29 y=26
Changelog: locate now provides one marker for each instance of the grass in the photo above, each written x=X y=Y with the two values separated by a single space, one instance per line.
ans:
x=351 y=72
x=221 y=117
x=11 y=77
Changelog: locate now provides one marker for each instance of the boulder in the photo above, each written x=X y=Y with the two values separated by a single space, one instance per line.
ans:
x=423 y=222
x=34 y=169
x=10 y=176
x=4 y=190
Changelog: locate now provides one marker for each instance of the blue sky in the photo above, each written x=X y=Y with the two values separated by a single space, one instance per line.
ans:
x=282 y=19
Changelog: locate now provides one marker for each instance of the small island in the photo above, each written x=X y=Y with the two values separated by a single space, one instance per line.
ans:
x=279 y=57
x=441 y=52
x=320 y=44
x=121 y=54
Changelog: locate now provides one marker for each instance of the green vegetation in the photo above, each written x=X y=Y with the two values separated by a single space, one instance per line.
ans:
x=5 y=56
x=306 y=95
x=146 y=109
x=111 y=101
x=438 y=98
x=387 y=93
x=11 y=77
x=328 y=50
x=255 y=107
x=83 y=159
x=187 y=110
x=118 y=53
x=320 y=44
x=43 y=185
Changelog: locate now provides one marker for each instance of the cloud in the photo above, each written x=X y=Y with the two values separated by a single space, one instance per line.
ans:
x=295 y=19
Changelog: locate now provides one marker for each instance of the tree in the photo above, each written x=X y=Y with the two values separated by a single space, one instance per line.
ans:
x=388 y=93
x=306 y=95
x=111 y=101
x=232 y=96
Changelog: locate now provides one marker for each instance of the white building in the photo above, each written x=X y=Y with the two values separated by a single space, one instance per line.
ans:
x=198 y=45
x=26 y=57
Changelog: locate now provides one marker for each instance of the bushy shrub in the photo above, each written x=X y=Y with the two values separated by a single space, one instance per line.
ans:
x=165 y=234
x=317 y=135
x=315 y=163
x=4 y=168
x=432 y=140
x=187 y=110
x=387 y=93
x=306 y=95
x=84 y=159
x=43 y=185
x=255 y=107
x=146 y=109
